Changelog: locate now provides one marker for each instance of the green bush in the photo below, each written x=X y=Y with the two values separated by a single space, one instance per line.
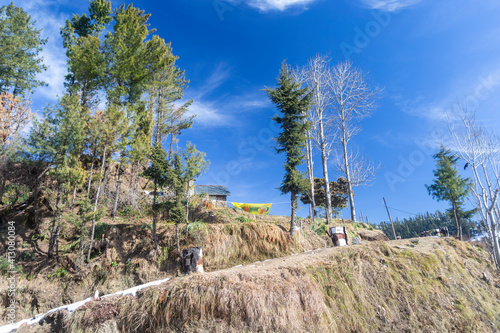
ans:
x=59 y=273
x=26 y=255
x=243 y=219
x=319 y=227
x=100 y=229
x=16 y=193
x=148 y=226
x=5 y=266
x=198 y=231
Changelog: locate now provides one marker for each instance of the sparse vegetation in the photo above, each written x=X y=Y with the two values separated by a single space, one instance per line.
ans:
x=366 y=288
x=243 y=219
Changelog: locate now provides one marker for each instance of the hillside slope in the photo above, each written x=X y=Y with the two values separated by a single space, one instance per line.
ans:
x=437 y=285
x=123 y=255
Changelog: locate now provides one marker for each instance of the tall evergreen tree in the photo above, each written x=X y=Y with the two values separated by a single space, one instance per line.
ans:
x=86 y=61
x=132 y=58
x=21 y=45
x=293 y=102
x=449 y=185
x=60 y=139
x=160 y=173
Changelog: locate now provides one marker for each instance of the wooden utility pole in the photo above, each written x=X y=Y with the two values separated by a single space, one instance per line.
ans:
x=390 y=219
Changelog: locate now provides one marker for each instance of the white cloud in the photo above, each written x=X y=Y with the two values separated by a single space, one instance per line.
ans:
x=221 y=111
x=49 y=19
x=390 y=5
x=275 y=5
x=474 y=92
x=220 y=74
x=207 y=114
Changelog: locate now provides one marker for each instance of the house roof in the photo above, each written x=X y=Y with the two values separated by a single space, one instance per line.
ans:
x=211 y=190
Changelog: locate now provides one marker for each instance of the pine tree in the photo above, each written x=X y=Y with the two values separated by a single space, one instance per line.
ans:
x=292 y=101
x=60 y=138
x=194 y=165
x=21 y=45
x=86 y=61
x=448 y=185
x=132 y=59
x=160 y=173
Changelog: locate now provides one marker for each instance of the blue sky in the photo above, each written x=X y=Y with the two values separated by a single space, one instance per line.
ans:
x=426 y=54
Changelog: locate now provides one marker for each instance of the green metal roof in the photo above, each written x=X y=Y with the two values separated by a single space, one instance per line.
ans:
x=211 y=190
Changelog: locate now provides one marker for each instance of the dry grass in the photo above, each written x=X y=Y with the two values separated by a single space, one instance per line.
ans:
x=375 y=287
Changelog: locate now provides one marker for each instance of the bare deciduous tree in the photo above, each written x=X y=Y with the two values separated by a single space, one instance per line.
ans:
x=362 y=171
x=353 y=100
x=15 y=114
x=479 y=148
x=317 y=75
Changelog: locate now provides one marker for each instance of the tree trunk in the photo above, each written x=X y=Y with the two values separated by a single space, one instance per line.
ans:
x=118 y=186
x=312 y=205
x=187 y=210
x=136 y=178
x=293 y=204
x=57 y=243
x=2 y=188
x=90 y=177
x=324 y=161
x=96 y=202
x=494 y=236
x=155 y=236
x=348 y=177
x=170 y=151
x=105 y=190
x=35 y=199
x=52 y=241
x=35 y=210
x=74 y=198
x=496 y=247
x=457 y=221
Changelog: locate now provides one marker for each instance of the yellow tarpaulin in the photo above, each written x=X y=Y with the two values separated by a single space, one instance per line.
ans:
x=261 y=209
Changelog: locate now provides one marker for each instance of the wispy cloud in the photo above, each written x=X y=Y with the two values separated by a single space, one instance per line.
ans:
x=274 y=5
x=390 y=5
x=208 y=114
x=49 y=19
x=221 y=111
x=476 y=93
x=419 y=107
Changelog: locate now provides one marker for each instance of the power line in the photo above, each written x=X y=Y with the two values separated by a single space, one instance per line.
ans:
x=399 y=210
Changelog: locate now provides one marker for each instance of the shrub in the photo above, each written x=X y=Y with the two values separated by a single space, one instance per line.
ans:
x=59 y=273
x=319 y=227
x=16 y=193
x=243 y=219
x=100 y=229
x=198 y=231
x=26 y=255
x=5 y=266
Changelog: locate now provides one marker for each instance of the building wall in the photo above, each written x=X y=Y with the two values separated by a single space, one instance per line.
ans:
x=219 y=200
